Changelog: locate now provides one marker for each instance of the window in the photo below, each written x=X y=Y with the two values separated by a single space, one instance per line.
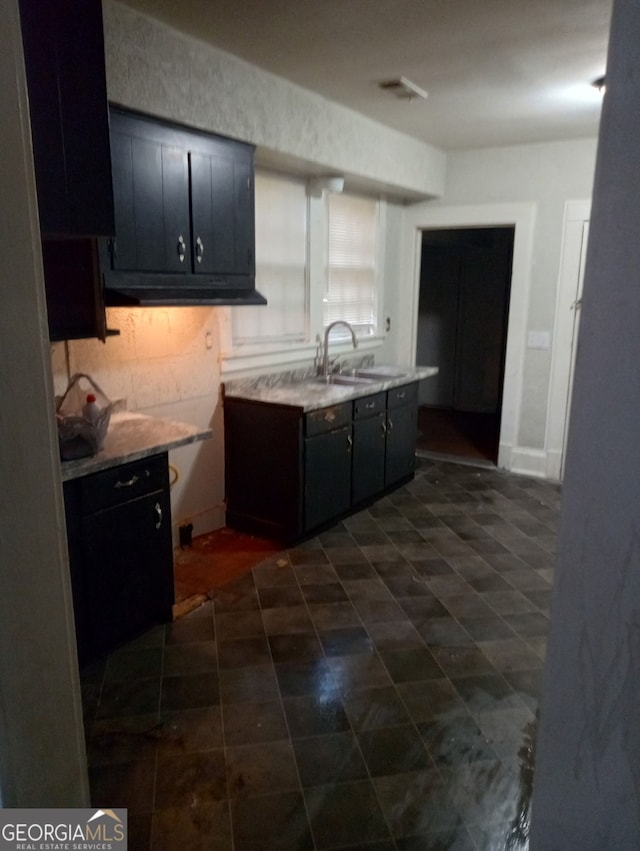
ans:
x=319 y=258
x=281 y=264
x=351 y=286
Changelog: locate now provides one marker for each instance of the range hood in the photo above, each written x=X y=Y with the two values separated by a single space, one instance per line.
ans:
x=155 y=289
x=118 y=294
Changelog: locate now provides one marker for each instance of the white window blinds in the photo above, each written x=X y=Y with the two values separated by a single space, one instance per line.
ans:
x=351 y=287
x=281 y=264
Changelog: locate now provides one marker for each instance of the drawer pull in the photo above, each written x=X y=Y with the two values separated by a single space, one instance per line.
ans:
x=181 y=248
x=158 y=511
x=370 y=405
x=329 y=417
x=400 y=395
x=128 y=484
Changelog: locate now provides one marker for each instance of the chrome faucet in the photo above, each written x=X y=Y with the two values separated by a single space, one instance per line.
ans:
x=325 y=348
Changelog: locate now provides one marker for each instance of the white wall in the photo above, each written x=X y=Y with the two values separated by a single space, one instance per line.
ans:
x=588 y=757
x=546 y=175
x=42 y=761
x=153 y=68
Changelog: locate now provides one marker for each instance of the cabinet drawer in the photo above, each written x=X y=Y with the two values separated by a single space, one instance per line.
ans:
x=120 y=484
x=326 y=419
x=368 y=406
x=402 y=395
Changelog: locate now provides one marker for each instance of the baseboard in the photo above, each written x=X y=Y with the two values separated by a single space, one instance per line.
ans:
x=523 y=460
x=456 y=459
x=526 y=461
x=554 y=464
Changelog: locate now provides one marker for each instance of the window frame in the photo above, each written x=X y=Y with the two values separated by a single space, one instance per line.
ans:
x=249 y=357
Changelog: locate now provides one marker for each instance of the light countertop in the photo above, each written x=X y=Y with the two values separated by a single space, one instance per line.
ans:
x=311 y=394
x=133 y=436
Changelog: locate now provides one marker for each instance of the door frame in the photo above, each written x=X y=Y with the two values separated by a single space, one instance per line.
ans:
x=572 y=256
x=522 y=218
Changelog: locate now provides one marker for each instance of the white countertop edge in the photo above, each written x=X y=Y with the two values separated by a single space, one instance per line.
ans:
x=133 y=436
x=310 y=396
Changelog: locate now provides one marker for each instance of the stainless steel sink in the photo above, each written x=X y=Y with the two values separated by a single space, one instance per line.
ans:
x=378 y=373
x=347 y=380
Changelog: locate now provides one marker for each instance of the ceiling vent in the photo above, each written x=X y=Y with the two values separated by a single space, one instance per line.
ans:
x=403 y=88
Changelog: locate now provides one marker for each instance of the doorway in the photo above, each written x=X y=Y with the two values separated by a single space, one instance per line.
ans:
x=464 y=291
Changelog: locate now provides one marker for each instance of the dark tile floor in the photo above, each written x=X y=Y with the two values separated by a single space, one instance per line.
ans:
x=374 y=688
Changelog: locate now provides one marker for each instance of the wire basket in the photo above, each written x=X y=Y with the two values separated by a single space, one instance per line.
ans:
x=79 y=437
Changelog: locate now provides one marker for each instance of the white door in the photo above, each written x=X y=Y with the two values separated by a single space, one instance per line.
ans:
x=575 y=327
x=565 y=336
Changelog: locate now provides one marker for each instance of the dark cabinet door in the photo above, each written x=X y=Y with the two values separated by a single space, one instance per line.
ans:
x=151 y=190
x=327 y=470
x=222 y=205
x=369 y=437
x=402 y=429
x=244 y=219
x=125 y=550
x=75 y=305
x=120 y=552
x=212 y=200
x=64 y=62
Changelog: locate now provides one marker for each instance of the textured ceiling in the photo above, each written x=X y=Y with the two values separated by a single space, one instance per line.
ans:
x=497 y=71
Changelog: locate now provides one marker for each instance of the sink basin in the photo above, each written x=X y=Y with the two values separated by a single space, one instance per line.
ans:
x=348 y=380
x=378 y=373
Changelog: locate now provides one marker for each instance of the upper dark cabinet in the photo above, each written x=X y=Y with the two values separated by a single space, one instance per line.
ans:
x=64 y=59
x=185 y=220
x=63 y=45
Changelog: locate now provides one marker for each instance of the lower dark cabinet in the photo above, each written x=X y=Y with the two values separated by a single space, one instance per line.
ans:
x=291 y=473
x=401 y=432
x=369 y=447
x=327 y=476
x=120 y=553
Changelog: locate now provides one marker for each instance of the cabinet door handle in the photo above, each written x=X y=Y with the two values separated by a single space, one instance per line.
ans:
x=158 y=511
x=128 y=484
x=390 y=424
x=349 y=442
x=182 y=248
x=199 y=250
x=384 y=427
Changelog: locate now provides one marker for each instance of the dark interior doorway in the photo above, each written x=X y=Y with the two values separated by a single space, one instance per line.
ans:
x=465 y=282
